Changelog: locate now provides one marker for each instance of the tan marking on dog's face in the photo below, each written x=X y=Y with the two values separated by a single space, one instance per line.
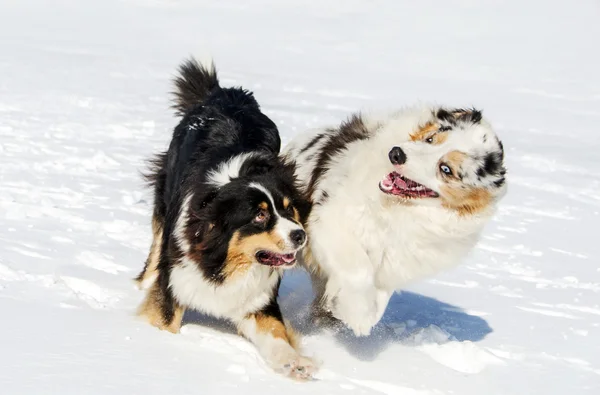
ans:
x=430 y=134
x=457 y=196
x=151 y=311
x=286 y=206
x=439 y=138
x=242 y=250
x=296 y=215
x=263 y=206
x=465 y=200
x=424 y=131
x=454 y=160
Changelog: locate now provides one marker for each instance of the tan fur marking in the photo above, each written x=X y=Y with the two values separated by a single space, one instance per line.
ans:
x=286 y=202
x=309 y=261
x=465 y=200
x=271 y=325
x=151 y=312
x=267 y=324
x=455 y=160
x=237 y=263
x=154 y=254
x=296 y=215
x=241 y=251
x=424 y=131
x=263 y=206
x=439 y=138
x=429 y=130
x=458 y=114
x=293 y=336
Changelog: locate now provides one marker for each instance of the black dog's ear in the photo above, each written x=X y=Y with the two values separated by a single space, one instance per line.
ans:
x=257 y=165
x=205 y=200
x=287 y=167
x=199 y=219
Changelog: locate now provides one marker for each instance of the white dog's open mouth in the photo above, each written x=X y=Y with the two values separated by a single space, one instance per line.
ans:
x=396 y=184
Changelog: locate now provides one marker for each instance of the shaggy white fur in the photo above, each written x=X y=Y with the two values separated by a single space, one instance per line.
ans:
x=364 y=242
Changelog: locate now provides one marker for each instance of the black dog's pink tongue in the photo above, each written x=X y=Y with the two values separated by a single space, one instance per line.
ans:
x=282 y=259
x=273 y=259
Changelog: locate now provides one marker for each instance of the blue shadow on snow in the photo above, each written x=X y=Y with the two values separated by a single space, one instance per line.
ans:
x=407 y=314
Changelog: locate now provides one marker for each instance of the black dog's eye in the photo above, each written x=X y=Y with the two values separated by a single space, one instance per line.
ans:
x=444 y=128
x=429 y=140
x=262 y=216
x=445 y=169
x=289 y=209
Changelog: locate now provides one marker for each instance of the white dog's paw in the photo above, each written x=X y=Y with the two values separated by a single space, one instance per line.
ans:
x=296 y=367
x=358 y=317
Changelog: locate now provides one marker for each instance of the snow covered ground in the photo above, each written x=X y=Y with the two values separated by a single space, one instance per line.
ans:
x=83 y=101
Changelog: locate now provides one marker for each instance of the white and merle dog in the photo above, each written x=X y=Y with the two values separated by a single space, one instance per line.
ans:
x=395 y=199
x=227 y=219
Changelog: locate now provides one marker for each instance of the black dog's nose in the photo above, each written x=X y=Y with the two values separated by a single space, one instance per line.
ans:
x=397 y=156
x=298 y=236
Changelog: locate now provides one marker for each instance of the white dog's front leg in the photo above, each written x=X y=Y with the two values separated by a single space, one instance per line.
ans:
x=357 y=308
x=350 y=292
x=383 y=298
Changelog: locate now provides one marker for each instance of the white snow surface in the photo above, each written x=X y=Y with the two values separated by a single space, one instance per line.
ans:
x=84 y=100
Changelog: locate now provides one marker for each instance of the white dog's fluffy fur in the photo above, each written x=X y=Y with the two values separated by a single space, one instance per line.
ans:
x=395 y=199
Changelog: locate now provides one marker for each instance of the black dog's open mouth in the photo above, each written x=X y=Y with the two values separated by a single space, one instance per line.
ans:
x=274 y=259
x=396 y=184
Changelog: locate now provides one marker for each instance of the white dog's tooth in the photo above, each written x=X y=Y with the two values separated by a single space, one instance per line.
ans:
x=386 y=187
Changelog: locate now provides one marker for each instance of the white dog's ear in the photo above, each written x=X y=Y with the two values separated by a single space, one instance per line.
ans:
x=453 y=115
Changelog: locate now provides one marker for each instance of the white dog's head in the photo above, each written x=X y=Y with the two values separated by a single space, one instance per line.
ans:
x=444 y=157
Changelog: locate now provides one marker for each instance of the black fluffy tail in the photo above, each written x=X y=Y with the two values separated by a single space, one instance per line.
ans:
x=193 y=85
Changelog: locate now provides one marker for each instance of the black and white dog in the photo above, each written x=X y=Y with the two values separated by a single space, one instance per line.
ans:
x=227 y=219
x=396 y=198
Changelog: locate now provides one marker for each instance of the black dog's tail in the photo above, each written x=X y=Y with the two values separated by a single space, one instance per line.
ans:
x=193 y=85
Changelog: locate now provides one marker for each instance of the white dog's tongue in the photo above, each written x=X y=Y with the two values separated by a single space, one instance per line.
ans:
x=400 y=183
x=387 y=182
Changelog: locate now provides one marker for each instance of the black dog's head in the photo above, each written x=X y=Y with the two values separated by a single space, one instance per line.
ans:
x=248 y=211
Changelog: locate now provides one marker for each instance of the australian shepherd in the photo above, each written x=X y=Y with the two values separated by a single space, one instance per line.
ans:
x=227 y=220
x=396 y=198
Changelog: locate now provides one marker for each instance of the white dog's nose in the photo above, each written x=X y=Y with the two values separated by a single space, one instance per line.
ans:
x=397 y=156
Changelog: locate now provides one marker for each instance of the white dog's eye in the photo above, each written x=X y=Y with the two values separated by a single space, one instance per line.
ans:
x=445 y=169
